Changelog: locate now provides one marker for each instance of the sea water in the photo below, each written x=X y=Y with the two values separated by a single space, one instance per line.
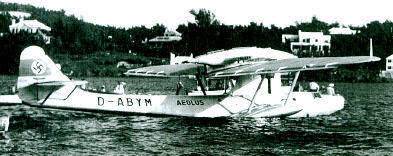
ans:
x=363 y=127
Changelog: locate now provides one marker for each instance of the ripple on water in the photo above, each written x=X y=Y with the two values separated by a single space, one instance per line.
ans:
x=363 y=127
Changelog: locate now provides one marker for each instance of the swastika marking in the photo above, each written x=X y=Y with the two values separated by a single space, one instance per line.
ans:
x=38 y=67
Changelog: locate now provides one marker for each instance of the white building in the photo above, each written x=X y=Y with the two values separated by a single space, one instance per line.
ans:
x=388 y=72
x=169 y=36
x=163 y=45
x=306 y=42
x=342 y=31
x=389 y=63
x=30 y=26
x=180 y=59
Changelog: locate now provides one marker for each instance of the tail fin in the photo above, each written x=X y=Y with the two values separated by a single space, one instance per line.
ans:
x=36 y=67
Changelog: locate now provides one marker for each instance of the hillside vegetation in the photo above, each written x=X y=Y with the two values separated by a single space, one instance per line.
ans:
x=80 y=46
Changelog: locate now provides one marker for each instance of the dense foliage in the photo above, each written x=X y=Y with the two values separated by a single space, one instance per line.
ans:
x=73 y=37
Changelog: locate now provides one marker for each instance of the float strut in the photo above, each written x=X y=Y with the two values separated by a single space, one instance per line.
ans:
x=255 y=94
x=292 y=87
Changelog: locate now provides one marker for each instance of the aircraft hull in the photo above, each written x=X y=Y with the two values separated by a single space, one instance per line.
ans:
x=301 y=104
x=71 y=97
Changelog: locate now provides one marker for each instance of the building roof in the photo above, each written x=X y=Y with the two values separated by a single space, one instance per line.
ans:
x=302 y=34
x=32 y=24
x=342 y=31
x=169 y=36
x=311 y=34
x=171 y=33
x=165 y=39
x=19 y=14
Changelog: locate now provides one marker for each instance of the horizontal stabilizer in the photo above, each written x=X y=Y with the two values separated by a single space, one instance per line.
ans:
x=295 y=64
x=62 y=83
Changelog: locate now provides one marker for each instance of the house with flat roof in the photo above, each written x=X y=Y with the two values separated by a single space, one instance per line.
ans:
x=308 y=42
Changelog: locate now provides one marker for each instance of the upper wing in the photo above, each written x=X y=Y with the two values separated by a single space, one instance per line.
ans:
x=295 y=64
x=241 y=54
x=165 y=70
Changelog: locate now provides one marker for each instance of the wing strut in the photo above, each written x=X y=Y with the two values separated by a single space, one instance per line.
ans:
x=255 y=94
x=200 y=81
x=292 y=87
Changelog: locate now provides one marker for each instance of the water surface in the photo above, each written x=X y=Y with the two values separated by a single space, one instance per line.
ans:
x=363 y=127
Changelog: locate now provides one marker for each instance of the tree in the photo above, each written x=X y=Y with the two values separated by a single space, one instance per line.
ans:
x=158 y=30
x=315 y=25
x=5 y=21
x=204 y=18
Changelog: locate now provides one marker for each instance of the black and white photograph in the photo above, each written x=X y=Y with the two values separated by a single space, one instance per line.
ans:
x=196 y=77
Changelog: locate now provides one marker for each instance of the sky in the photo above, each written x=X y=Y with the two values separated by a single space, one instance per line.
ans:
x=171 y=13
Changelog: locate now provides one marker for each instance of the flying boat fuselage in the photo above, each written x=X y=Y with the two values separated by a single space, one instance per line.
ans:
x=249 y=89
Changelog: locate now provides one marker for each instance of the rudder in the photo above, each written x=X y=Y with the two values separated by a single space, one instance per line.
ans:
x=36 y=67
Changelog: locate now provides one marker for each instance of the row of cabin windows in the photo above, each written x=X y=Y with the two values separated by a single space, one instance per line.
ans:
x=389 y=60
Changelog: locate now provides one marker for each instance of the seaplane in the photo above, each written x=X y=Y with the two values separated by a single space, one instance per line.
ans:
x=240 y=82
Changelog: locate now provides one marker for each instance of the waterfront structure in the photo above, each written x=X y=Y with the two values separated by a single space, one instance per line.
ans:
x=308 y=42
